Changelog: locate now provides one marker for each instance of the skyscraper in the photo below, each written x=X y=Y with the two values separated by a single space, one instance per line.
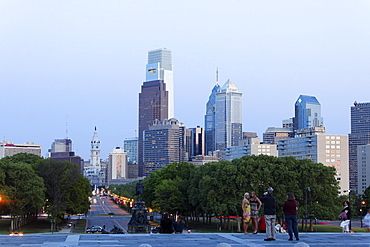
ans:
x=95 y=154
x=61 y=145
x=360 y=135
x=130 y=147
x=159 y=67
x=210 y=121
x=164 y=143
x=156 y=98
x=228 y=131
x=307 y=113
x=118 y=168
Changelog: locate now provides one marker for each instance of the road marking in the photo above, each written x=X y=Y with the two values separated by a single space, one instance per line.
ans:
x=120 y=226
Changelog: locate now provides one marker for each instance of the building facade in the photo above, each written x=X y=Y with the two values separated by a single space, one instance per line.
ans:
x=360 y=135
x=210 y=121
x=228 y=128
x=130 y=147
x=272 y=135
x=251 y=146
x=61 y=145
x=8 y=148
x=118 y=165
x=164 y=143
x=363 y=164
x=314 y=144
x=307 y=113
x=156 y=99
x=70 y=157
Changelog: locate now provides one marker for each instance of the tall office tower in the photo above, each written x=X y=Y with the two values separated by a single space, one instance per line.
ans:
x=314 y=144
x=95 y=165
x=363 y=171
x=307 y=113
x=61 y=145
x=156 y=97
x=210 y=121
x=164 y=143
x=118 y=167
x=228 y=131
x=130 y=147
x=159 y=67
x=360 y=135
x=194 y=142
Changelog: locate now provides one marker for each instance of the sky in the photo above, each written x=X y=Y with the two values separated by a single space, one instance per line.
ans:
x=68 y=66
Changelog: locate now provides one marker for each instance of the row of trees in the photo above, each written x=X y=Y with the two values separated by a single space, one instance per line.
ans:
x=29 y=183
x=217 y=188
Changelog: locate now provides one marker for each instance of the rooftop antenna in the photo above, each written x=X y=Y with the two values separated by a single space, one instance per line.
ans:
x=217 y=76
x=66 y=126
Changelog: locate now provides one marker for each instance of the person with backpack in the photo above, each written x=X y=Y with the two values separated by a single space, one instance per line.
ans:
x=345 y=217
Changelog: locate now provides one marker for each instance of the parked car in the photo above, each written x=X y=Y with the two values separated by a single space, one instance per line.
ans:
x=94 y=229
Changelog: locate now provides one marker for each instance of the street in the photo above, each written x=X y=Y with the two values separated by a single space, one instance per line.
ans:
x=98 y=214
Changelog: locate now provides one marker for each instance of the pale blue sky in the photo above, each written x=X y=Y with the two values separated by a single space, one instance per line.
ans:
x=86 y=60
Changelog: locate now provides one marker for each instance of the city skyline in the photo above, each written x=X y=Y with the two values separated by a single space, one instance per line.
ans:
x=85 y=65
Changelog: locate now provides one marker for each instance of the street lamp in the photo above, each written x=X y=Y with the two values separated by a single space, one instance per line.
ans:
x=308 y=189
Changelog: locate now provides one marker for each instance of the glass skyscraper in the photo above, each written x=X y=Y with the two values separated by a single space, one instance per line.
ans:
x=156 y=99
x=130 y=147
x=307 y=113
x=228 y=131
x=210 y=121
x=360 y=135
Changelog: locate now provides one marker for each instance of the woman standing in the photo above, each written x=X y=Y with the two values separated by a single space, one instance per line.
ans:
x=290 y=209
x=246 y=212
x=255 y=207
x=345 y=217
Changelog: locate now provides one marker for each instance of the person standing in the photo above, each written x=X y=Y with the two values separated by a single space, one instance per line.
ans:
x=256 y=204
x=366 y=221
x=246 y=212
x=269 y=210
x=290 y=210
x=345 y=216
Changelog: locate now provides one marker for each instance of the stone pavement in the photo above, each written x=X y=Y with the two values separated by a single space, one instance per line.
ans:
x=186 y=239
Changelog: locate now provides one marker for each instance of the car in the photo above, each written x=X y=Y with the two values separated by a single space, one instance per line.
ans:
x=16 y=234
x=94 y=229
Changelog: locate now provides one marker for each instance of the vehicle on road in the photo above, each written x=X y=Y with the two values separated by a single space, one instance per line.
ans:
x=94 y=229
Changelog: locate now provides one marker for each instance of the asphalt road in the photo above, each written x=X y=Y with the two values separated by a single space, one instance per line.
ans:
x=100 y=207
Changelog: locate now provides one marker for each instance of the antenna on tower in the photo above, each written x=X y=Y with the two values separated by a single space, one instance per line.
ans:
x=66 y=126
x=217 y=76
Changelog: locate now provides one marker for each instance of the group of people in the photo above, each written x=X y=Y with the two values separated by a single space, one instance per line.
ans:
x=251 y=205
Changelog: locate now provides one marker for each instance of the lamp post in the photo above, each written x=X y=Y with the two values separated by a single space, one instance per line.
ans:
x=306 y=216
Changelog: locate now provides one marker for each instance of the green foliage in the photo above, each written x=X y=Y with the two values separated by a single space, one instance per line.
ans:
x=67 y=191
x=127 y=190
x=21 y=189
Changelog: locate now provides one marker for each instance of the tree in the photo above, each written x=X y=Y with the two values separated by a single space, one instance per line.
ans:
x=67 y=191
x=22 y=190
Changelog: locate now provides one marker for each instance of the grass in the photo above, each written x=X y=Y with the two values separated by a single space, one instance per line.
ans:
x=39 y=226
x=80 y=227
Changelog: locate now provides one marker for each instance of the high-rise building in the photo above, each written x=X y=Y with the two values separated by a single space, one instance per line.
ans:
x=228 y=128
x=164 y=143
x=95 y=153
x=360 y=135
x=159 y=67
x=314 y=144
x=196 y=142
x=363 y=165
x=118 y=165
x=9 y=149
x=61 y=145
x=156 y=99
x=70 y=157
x=130 y=147
x=272 y=135
x=307 y=113
x=210 y=121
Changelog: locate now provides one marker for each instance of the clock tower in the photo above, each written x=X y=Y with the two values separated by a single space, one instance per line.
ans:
x=95 y=154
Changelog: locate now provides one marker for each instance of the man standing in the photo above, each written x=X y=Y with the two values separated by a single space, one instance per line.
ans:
x=269 y=202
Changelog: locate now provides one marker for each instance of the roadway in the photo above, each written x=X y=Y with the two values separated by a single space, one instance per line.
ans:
x=98 y=214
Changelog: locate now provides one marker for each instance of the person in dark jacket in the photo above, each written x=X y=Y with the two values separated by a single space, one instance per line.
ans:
x=269 y=210
x=290 y=210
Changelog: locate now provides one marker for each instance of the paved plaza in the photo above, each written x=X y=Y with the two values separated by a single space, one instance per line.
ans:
x=186 y=239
